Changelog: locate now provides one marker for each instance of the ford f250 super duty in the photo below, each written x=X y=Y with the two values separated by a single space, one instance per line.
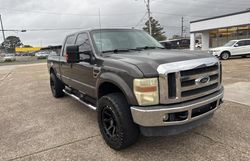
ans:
x=135 y=85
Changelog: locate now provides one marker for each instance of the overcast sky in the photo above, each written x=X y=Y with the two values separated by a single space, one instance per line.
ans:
x=61 y=14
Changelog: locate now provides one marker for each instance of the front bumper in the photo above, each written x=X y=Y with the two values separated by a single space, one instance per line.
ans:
x=214 y=53
x=155 y=116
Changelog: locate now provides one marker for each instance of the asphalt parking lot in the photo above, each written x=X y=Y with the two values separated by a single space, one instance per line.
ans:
x=36 y=126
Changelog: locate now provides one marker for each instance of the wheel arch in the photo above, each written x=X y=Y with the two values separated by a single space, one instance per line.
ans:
x=110 y=83
x=226 y=51
x=52 y=70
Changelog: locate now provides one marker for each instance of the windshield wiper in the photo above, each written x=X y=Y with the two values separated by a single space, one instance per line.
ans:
x=149 y=47
x=116 y=51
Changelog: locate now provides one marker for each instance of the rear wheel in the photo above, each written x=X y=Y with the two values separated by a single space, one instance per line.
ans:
x=115 y=121
x=56 y=86
x=225 y=55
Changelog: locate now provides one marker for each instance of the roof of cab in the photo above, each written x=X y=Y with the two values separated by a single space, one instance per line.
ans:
x=95 y=29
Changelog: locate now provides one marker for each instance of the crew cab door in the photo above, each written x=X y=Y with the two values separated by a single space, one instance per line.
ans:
x=82 y=73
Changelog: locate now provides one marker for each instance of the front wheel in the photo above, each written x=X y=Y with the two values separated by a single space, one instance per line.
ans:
x=225 y=55
x=115 y=121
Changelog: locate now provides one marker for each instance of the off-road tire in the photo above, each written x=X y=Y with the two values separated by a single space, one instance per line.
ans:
x=56 y=86
x=126 y=131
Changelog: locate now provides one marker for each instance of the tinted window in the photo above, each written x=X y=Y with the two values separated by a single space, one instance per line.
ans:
x=84 y=45
x=69 y=41
x=242 y=43
x=247 y=42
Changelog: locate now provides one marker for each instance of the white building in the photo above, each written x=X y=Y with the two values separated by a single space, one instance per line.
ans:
x=216 y=31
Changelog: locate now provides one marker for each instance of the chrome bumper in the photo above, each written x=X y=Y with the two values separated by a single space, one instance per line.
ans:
x=153 y=116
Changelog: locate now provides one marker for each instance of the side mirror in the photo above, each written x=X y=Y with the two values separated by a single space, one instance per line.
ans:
x=236 y=45
x=72 y=54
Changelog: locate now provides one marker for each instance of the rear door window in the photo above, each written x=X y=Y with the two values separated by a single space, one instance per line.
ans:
x=247 y=42
x=242 y=43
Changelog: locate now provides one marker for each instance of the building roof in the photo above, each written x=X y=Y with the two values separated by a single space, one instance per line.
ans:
x=230 y=14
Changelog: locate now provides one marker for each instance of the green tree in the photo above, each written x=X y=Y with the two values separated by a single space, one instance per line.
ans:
x=10 y=43
x=157 y=30
x=176 y=37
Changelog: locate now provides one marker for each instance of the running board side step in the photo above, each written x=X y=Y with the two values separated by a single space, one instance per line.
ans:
x=78 y=99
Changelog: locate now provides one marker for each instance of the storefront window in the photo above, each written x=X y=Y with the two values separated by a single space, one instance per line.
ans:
x=222 y=36
x=213 y=38
x=242 y=32
x=219 y=37
x=248 y=31
x=232 y=33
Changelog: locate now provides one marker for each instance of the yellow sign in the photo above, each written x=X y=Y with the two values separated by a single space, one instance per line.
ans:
x=28 y=49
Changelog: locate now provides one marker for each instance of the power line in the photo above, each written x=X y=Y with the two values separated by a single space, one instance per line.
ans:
x=141 y=20
x=59 y=29
x=178 y=15
x=67 y=14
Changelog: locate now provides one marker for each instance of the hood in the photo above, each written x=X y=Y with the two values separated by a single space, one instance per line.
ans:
x=149 y=60
x=219 y=48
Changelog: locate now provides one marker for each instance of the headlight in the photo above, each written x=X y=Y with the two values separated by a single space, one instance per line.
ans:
x=146 y=91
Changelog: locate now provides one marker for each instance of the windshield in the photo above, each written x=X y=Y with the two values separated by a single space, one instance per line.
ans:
x=123 y=40
x=230 y=43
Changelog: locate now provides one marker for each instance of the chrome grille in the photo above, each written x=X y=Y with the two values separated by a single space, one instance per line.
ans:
x=189 y=87
x=183 y=85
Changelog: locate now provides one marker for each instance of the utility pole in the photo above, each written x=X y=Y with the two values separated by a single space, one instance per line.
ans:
x=149 y=16
x=182 y=27
x=2 y=27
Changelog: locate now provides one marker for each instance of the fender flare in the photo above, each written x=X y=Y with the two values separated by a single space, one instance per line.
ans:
x=52 y=69
x=120 y=83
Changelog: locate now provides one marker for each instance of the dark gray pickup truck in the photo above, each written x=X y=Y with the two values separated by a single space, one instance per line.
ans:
x=135 y=85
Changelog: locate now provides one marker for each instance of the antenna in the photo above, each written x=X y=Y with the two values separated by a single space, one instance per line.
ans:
x=100 y=26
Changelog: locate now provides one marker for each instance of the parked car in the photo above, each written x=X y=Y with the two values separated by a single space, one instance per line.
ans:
x=198 y=45
x=9 y=57
x=28 y=54
x=183 y=43
x=135 y=85
x=232 y=48
x=42 y=55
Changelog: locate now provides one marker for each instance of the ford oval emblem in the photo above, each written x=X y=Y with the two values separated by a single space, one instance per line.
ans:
x=202 y=80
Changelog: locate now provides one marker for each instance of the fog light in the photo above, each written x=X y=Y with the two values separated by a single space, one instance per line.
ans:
x=221 y=101
x=165 y=118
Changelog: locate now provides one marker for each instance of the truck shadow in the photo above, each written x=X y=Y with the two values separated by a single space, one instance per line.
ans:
x=179 y=147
